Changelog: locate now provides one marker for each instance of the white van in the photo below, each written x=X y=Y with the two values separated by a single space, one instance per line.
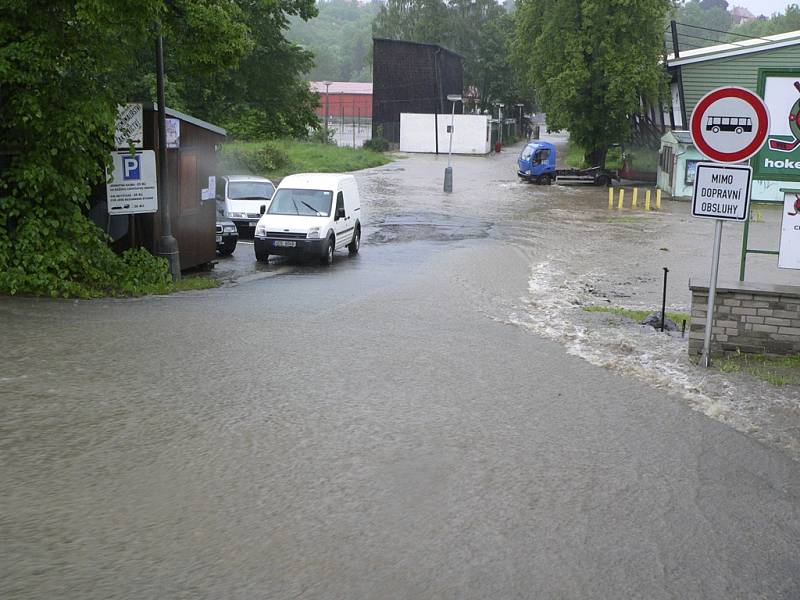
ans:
x=242 y=195
x=310 y=215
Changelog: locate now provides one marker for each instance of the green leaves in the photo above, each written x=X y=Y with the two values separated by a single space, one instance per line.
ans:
x=591 y=62
x=65 y=65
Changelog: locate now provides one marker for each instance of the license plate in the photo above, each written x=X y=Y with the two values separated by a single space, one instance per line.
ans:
x=219 y=239
x=284 y=243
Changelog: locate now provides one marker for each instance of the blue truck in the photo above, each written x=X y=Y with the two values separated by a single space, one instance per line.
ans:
x=537 y=164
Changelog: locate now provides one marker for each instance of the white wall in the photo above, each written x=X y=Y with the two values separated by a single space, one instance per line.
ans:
x=470 y=133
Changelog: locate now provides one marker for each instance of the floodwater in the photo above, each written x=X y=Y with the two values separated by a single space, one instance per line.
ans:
x=581 y=253
x=436 y=417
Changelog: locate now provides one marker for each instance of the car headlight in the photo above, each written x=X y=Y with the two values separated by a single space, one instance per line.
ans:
x=229 y=228
x=313 y=233
x=261 y=231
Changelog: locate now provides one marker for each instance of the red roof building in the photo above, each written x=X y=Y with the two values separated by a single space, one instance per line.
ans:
x=344 y=99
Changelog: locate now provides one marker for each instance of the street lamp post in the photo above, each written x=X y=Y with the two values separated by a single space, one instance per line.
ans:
x=448 y=172
x=519 y=106
x=167 y=244
x=327 y=105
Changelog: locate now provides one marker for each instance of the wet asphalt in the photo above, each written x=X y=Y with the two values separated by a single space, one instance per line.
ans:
x=385 y=428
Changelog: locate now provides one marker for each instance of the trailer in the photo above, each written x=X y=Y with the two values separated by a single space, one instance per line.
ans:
x=537 y=164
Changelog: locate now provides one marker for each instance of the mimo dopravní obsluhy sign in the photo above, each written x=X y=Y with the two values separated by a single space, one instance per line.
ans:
x=722 y=191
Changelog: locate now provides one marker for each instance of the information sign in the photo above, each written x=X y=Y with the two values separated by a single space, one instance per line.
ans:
x=722 y=191
x=789 y=252
x=130 y=126
x=132 y=186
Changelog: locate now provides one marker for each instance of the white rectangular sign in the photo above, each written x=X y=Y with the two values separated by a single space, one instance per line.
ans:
x=131 y=183
x=130 y=126
x=173 y=133
x=789 y=257
x=722 y=191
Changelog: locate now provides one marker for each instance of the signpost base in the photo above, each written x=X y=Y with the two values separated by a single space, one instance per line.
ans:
x=705 y=357
x=448 y=179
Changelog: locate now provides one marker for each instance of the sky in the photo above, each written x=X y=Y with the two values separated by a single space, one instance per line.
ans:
x=762 y=7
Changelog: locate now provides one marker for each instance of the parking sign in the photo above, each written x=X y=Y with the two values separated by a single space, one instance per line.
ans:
x=132 y=187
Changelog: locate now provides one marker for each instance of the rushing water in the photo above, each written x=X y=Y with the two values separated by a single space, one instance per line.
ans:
x=581 y=253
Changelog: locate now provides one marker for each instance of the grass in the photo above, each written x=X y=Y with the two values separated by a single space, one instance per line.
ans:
x=775 y=370
x=287 y=156
x=194 y=282
x=643 y=159
x=636 y=315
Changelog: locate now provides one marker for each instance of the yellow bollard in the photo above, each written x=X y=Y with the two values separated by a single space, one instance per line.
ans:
x=610 y=197
x=658 y=199
x=635 y=197
x=647 y=200
x=621 y=198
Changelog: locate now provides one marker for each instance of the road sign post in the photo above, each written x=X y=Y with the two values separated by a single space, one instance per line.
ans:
x=729 y=125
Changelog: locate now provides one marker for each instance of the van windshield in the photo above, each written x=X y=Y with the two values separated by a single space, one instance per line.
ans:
x=308 y=203
x=250 y=190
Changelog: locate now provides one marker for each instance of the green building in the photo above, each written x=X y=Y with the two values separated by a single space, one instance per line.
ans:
x=755 y=64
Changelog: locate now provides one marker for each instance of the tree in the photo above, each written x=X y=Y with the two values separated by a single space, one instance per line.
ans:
x=479 y=30
x=711 y=23
x=64 y=67
x=778 y=23
x=591 y=63
x=340 y=38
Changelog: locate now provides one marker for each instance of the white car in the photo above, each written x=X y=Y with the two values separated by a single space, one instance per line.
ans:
x=243 y=196
x=311 y=215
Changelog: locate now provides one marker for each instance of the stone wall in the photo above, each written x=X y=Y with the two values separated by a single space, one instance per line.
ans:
x=753 y=318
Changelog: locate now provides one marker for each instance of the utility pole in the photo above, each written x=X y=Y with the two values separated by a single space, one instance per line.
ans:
x=167 y=244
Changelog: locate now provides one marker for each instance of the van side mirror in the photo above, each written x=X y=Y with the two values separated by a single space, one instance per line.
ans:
x=340 y=213
x=263 y=209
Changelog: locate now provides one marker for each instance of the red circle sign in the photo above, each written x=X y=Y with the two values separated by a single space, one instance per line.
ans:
x=729 y=124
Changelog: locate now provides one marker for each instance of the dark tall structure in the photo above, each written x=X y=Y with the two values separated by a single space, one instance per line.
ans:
x=411 y=77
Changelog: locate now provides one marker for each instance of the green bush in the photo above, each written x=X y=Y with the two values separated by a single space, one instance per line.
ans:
x=76 y=262
x=252 y=157
x=322 y=135
x=377 y=144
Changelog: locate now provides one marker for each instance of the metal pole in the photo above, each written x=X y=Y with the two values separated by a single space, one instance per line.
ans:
x=743 y=261
x=448 y=172
x=705 y=357
x=167 y=244
x=353 y=122
x=327 y=106
x=664 y=300
x=452 y=121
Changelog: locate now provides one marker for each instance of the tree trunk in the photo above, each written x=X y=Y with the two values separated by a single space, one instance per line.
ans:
x=597 y=157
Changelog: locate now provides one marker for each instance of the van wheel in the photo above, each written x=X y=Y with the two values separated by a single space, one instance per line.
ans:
x=262 y=256
x=327 y=255
x=355 y=245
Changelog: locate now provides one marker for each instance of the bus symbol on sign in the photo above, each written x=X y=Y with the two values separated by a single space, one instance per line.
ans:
x=729 y=124
x=735 y=124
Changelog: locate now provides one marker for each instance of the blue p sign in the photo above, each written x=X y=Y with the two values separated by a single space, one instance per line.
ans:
x=130 y=168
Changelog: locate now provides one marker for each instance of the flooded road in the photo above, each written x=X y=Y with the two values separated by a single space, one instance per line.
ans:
x=435 y=417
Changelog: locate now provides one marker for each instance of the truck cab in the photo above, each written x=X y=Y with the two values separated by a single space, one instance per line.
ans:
x=537 y=162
